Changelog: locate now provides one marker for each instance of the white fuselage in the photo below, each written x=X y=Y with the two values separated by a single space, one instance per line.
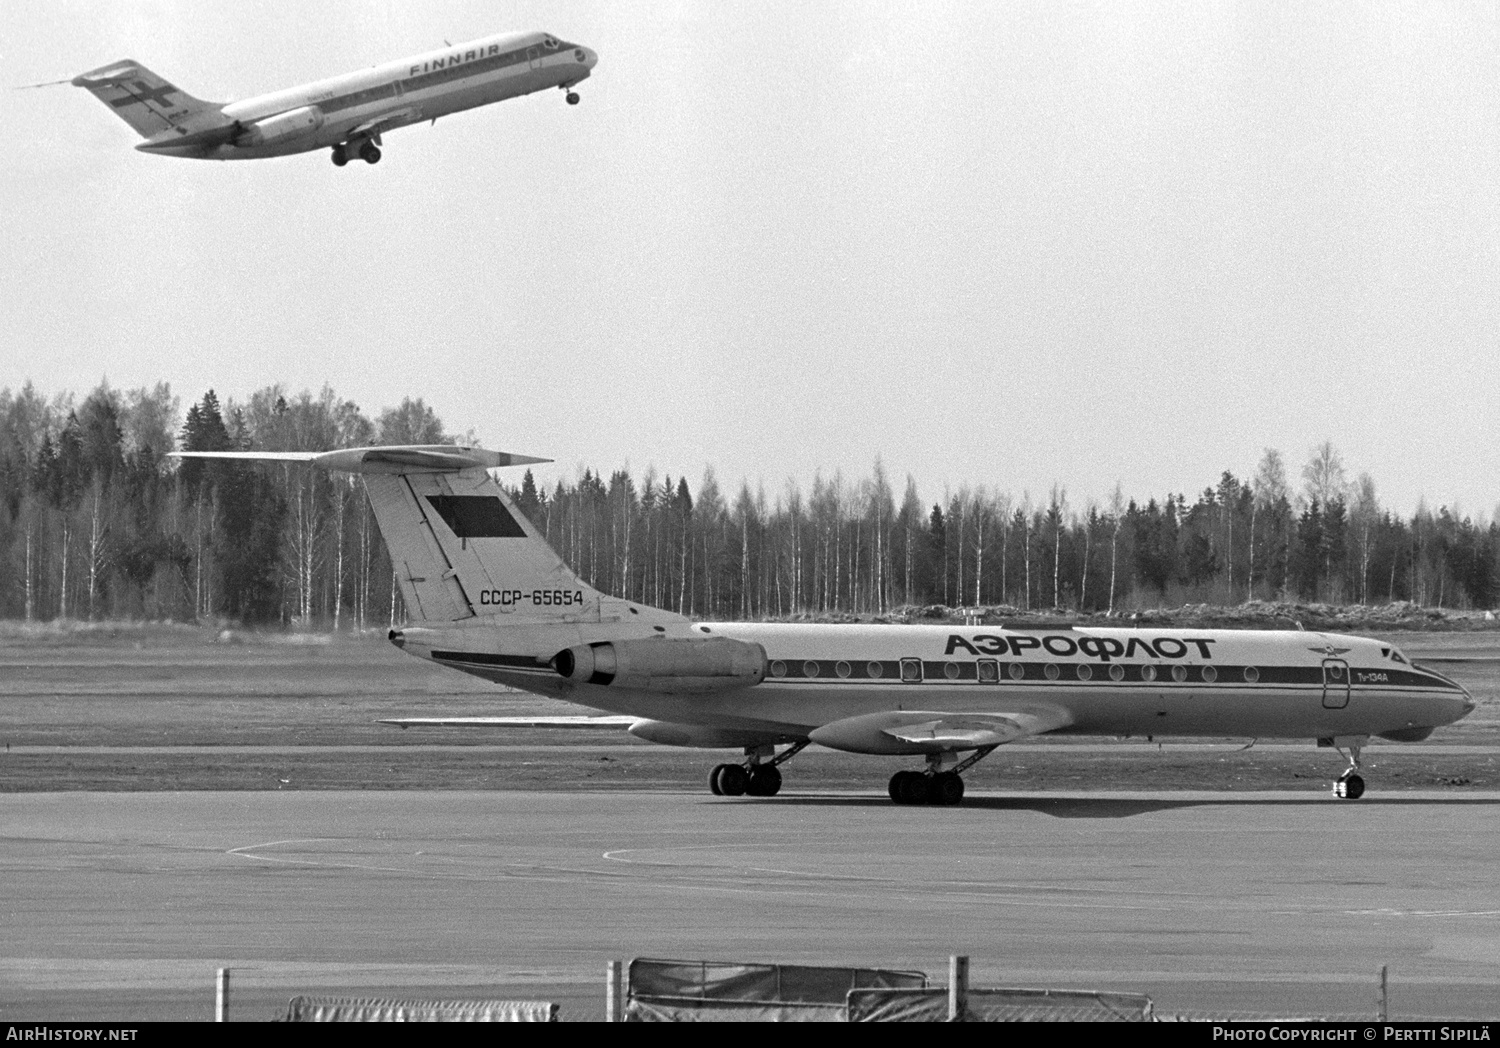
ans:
x=1106 y=681
x=375 y=100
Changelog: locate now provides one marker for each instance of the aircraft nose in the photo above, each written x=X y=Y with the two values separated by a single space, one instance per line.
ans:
x=590 y=57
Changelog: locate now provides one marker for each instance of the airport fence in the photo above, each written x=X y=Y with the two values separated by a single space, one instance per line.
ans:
x=674 y=990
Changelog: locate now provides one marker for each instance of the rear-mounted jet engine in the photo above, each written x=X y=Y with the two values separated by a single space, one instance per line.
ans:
x=282 y=126
x=676 y=666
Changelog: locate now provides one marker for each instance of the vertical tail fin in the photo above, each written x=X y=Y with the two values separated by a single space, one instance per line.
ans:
x=142 y=99
x=459 y=546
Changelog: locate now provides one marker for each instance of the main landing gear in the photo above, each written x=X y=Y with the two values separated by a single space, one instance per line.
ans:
x=1349 y=786
x=941 y=784
x=368 y=151
x=757 y=777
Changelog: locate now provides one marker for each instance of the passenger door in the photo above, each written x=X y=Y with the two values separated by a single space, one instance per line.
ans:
x=1335 y=684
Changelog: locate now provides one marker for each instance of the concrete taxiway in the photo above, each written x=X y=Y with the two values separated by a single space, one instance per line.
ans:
x=122 y=905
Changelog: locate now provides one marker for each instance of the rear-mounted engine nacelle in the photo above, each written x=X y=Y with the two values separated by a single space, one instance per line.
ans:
x=685 y=665
x=291 y=124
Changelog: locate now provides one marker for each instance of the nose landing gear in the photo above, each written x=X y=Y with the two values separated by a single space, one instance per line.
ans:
x=757 y=777
x=1349 y=786
x=572 y=98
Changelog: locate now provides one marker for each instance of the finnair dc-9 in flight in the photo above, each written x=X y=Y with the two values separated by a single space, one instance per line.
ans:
x=486 y=595
x=345 y=113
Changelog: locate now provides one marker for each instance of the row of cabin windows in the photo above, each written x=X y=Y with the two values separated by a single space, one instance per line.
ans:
x=988 y=671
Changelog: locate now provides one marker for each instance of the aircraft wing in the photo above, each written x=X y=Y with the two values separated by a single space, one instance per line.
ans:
x=385 y=122
x=513 y=722
x=934 y=731
x=965 y=730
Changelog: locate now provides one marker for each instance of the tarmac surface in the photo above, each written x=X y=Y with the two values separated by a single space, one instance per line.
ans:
x=122 y=905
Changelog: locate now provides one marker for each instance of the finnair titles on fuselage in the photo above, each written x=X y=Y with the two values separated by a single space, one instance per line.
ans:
x=346 y=114
x=487 y=595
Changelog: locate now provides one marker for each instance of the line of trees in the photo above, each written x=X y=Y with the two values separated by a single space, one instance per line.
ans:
x=96 y=521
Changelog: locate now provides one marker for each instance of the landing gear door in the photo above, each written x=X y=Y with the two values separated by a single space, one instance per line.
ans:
x=1335 y=684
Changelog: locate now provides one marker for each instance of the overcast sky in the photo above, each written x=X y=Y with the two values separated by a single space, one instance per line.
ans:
x=1003 y=244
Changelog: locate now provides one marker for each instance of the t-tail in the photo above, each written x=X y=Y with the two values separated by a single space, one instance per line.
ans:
x=145 y=101
x=460 y=547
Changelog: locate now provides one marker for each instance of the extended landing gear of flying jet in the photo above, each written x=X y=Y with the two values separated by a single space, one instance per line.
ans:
x=757 y=777
x=367 y=149
x=941 y=784
x=1349 y=786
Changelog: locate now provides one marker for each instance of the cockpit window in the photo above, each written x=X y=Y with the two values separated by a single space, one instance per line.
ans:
x=1395 y=656
x=551 y=42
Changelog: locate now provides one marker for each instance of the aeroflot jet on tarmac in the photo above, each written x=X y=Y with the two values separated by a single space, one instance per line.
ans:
x=346 y=113
x=488 y=596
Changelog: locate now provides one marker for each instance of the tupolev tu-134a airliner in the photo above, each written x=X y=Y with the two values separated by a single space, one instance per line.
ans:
x=346 y=114
x=487 y=595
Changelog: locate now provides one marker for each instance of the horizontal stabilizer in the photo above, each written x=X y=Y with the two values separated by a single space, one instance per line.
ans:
x=394 y=459
x=623 y=723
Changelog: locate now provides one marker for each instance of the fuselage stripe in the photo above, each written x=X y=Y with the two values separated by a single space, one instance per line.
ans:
x=992 y=671
x=410 y=85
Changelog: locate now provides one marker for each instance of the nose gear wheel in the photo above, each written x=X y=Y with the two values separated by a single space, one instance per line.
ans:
x=1350 y=786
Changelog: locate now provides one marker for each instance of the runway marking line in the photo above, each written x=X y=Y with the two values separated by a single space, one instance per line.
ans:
x=1423 y=913
x=247 y=851
x=967 y=887
x=1012 y=895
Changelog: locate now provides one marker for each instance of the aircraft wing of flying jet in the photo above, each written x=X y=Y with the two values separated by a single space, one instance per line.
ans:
x=345 y=114
x=486 y=595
